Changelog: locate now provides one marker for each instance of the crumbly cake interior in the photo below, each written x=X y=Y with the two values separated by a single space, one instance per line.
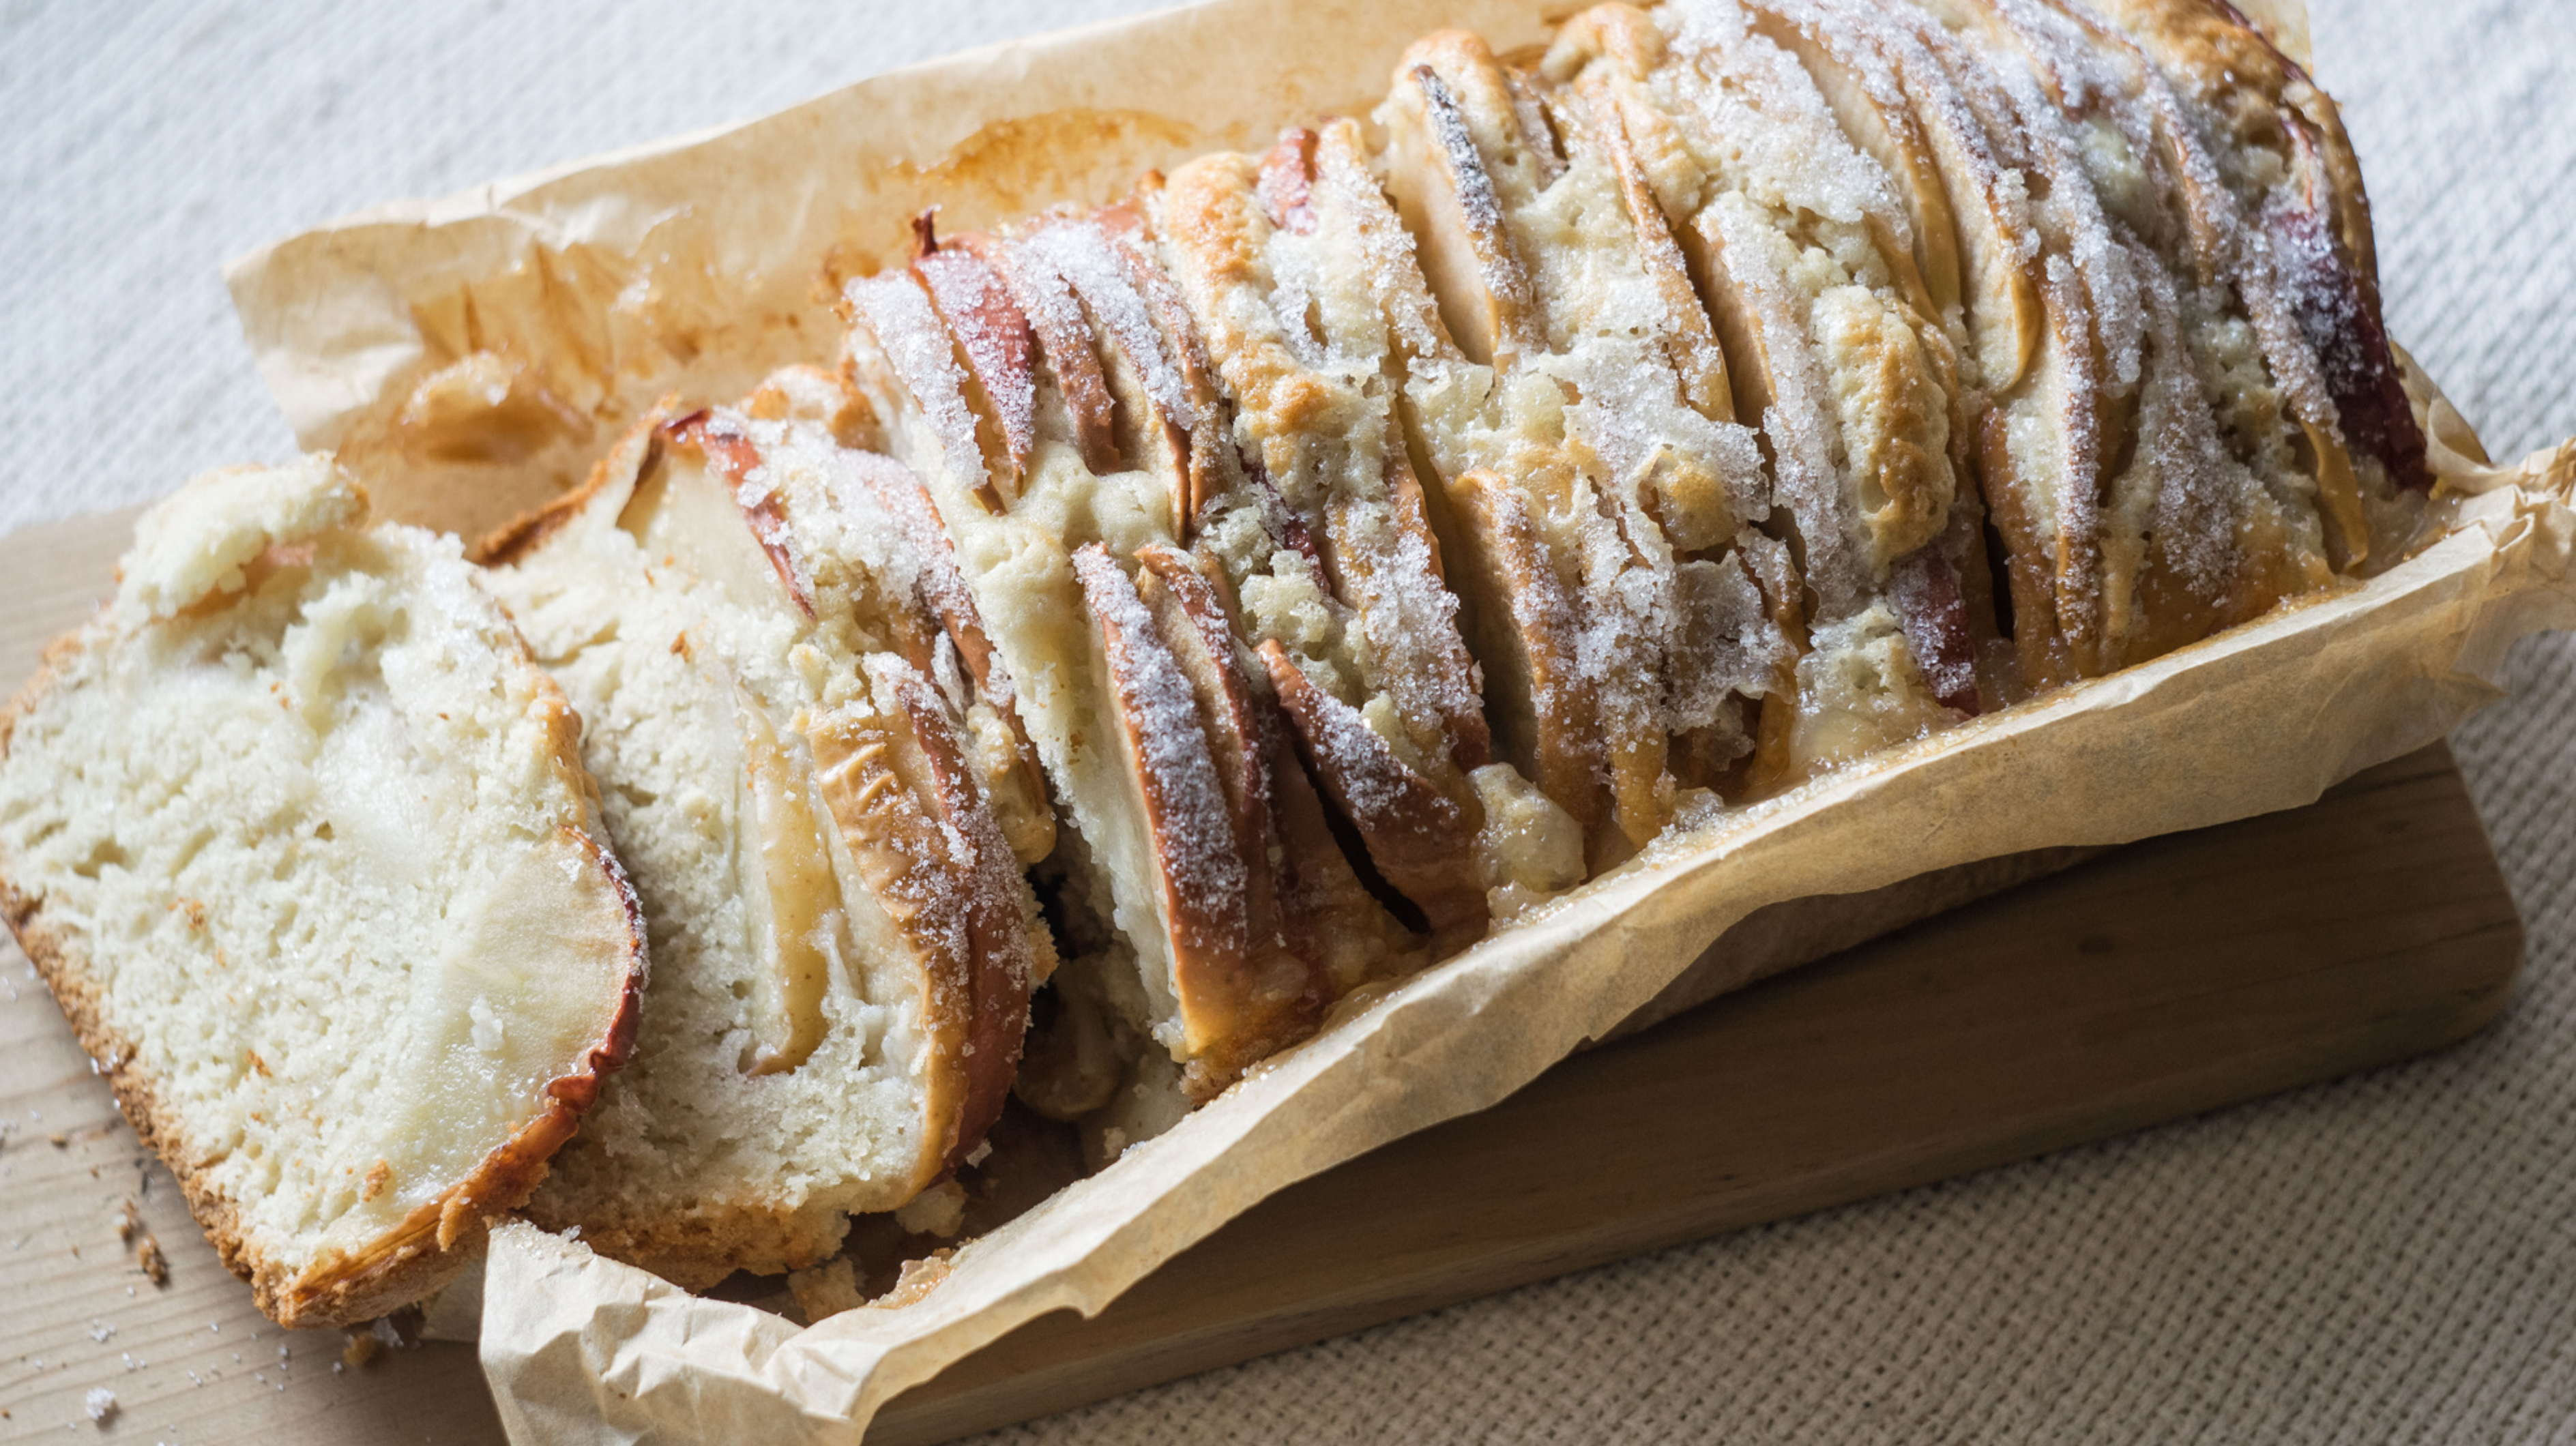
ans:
x=296 y=830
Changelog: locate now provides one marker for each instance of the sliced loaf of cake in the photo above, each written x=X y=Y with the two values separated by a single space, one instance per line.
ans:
x=299 y=838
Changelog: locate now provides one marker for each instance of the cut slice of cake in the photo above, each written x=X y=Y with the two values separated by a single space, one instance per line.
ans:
x=808 y=763
x=300 y=839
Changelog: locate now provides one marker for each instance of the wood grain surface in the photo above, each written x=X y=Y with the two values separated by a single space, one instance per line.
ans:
x=2162 y=979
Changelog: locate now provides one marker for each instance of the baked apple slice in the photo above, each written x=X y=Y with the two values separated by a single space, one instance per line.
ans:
x=917 y=346
x=1421 y=839
x=992 y=334
x=1623 y=467
x=1273 y=325
x=1064 y=340
x=1238 y=993
x=1017 y=786
x=919 y=832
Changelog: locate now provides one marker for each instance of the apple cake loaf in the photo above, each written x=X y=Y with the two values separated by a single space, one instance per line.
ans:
x=808 y=762
x=298 y=836
x=1246 y=592
x=1634 y=427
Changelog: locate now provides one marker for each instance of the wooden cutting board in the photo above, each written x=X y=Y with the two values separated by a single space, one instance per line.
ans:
x=2155 y=981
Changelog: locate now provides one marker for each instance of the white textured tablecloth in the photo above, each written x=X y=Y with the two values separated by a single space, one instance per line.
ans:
x=2388 y=1258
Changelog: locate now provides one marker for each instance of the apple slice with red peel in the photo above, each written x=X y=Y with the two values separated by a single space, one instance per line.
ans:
x=1449 y=202
x=1098 y=271
x=1154 y=372
x=1064 y=339
x=2339 y=314
x=1932 y=611
x=1131 y=237
x=1197 y=445
x=1190 y=616
x=2328 y=289
x=994 y=334
x=1287 y=182
x=896 y=310
x=1326 y=914
x=1020 y=796
x=2040 y=448
x=920 y=835
x=1421 y=839
x=1236 y=990
x=691 y=507
x=1305 y=896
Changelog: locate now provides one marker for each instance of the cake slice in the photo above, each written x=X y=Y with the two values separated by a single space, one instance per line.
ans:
x=808 y=765
x=298 y=836
x=1211 y=915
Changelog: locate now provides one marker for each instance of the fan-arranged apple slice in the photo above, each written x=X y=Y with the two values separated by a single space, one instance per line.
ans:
x=792 y=901
x=900 y=788
x=1163 y=425
x=915 y=342
x=1968 y=223
x=2213 y=517
x=2032 y=365
x=993 y=335
x=1012 y=779
x=792 y=754
x=1128 y=449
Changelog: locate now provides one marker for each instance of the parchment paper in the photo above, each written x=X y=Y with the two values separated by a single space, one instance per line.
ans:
x=471 y=355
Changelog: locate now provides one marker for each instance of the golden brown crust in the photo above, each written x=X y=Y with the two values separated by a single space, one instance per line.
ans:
x=515 y=540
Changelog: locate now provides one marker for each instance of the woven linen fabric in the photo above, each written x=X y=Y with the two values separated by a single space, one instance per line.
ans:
x=2388 y=1258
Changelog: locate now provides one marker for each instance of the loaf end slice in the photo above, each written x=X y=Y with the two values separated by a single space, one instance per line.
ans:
x=298 y=837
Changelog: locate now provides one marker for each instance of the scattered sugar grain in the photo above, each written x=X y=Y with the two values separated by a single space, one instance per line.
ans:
x=101 y=1403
